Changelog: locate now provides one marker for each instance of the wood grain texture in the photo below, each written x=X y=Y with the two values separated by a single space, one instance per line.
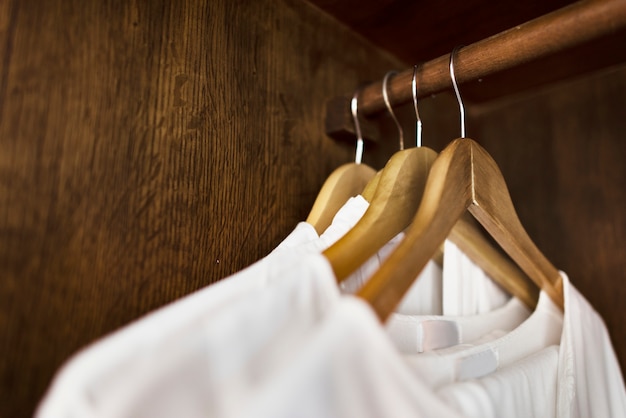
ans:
x=562 y=152
x=147 y=149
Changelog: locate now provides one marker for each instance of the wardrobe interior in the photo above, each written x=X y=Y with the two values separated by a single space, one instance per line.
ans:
x=150 y=148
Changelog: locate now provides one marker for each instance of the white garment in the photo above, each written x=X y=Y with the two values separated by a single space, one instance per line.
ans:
x=467 y=290
x=526 y=388
x=493 y=350
x=303 y=233
x=423 y=297
x=98 y=380
x=184 y=360
x=419 y=333
x=425 y=294
x=345 y=218
x=202 y=352
x=346 y=367
x=590 y=379
x=578 y=378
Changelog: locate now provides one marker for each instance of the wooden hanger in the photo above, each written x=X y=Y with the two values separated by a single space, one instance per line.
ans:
x=396 y=193
x=395 y=201
x=463 y=177
x=345 y=182
x=370 y=189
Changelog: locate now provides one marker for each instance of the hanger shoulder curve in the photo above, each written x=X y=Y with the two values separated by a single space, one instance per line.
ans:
x=469 y=238
x=446 y=196
x=345 y=182
x=396 y=199
x=370 y=189
x=463 y=177
x=494 y=209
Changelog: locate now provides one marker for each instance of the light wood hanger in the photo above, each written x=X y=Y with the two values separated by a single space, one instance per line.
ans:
x=396 y=198
x=370 y=189
x=463 y=177
x=345 y=182
x=398 y=192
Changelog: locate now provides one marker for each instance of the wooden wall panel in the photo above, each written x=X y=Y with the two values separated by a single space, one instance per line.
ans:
x=147 y=149
x=562 y=152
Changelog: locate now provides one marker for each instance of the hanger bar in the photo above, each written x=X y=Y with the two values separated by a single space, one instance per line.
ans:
x=562 y=29
x=556 y=31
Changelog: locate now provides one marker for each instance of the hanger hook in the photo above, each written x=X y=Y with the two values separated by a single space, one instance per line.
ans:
x=456 y=89
x=389 y=108
x=357 y=127
x=418 y=124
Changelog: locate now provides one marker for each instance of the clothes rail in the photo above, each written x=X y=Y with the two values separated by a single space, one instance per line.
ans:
x=556 y=31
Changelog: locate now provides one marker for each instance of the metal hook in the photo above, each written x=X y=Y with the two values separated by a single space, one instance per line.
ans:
x=357 y=127
x=389 y=108
x=418 y=124
x=456 y=90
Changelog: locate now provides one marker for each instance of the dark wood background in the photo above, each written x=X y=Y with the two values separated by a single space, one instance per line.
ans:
x=149 y=148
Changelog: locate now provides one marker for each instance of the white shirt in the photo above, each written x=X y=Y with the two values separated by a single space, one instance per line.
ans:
x=589 y=376
x=579 y=377
x=527 y=388
x=493 y=350
x=418 y=333
x=346 y=367
x=467 y=290
x=423 y=297
x=185 y=360
x=202 y=352
x=103 y=378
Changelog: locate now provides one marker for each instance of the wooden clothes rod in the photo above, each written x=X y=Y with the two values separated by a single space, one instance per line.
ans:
x=562 y=29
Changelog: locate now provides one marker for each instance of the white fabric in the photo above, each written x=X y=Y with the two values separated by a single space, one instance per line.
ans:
x=416 y=334
x=367 y=269
x=206 y=343
x=303 y=233
x=185 y=360
x=578 y=378
x=526 y=388
x=425 y=294
x=422 y=298
x=263 y=341
x=345 y=218
x=94 y=378
x=346 y=368
x=467 y=290
x=589 y=376
x=493 y=350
